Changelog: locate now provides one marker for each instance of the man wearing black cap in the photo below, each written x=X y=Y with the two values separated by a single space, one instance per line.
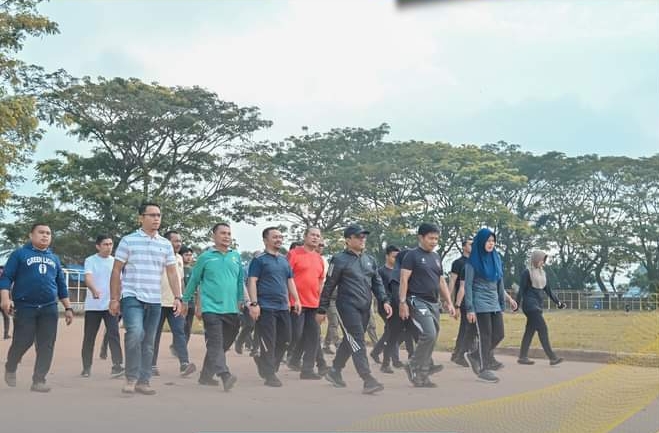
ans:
x=354 y=274
x=421 y=282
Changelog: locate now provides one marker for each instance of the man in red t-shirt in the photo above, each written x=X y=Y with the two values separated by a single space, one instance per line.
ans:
x=308 y=272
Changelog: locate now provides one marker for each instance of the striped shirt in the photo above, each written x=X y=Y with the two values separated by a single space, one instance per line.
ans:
x=145 y=258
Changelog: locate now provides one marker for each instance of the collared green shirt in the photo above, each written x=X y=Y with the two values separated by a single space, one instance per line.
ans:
x=220 y=279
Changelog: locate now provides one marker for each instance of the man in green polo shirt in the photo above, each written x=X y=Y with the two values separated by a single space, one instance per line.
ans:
x=219 y=275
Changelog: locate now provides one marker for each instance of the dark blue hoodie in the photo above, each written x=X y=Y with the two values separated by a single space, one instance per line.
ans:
x=37 y=277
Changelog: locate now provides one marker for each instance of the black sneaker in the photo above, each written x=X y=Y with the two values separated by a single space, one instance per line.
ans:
x=387 y=369
x=460 y=360
x=425 y=383
x=85 y=373
x=525 y=361
x=372 y=386
x=208 y=381
x=273 y=381
x=494 y=365
x=435 y=368
x=117 y=371
x=228 y=381
x=375 y=357
x=411 y=374
x=310 y=375
x=323 y=370
x=187 y=369
x=487 y=376
x=397 y=364
x=334 y=377
x=473 y=362
x=555 y=361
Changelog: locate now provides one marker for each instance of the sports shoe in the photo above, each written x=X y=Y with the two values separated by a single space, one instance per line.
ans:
x=473 y=362
x=435 y=368
x=228 y=381
x=144 y=388
x=397 y=364
x=494 y=365
x=425 y=383
x=273 y=381
x=187 y=369
x=334 y=377
x=487 y=376
x=525 y=361
x=85 y=373
x=411 y=374
x=555 y=361
x=10 y=378
x=323 y=370
x=209 y=381
x=386 y=369
x=310 y=375
x=40 y=387
x=155 y=371
x=129 y=387
x=117 y=371
x=259 y=366
x=372 y=386
x=460 y=360
x=375 y=357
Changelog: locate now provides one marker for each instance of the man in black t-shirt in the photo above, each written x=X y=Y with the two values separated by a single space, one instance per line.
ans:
x=385 y=272
x=456 y=277
x=421 y=282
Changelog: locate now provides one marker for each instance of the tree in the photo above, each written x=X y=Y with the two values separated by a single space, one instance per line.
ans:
x=177 y=146
x=19 y=132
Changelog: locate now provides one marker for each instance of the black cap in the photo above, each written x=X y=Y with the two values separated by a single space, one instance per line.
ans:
x=354 y=229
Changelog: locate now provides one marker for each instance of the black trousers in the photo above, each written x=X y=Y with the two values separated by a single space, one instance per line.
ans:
x=92 y=324
x=220 y=331
x=489 y=331
x=462 y=344
x=36 y=326
x=189 y=319
x=535 y=322
x=306 y=338
x=5 y=321
x=353 y=322
x=274 y=333
x=246 y=329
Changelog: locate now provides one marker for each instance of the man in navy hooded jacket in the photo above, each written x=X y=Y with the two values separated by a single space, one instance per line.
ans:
x=38 y=282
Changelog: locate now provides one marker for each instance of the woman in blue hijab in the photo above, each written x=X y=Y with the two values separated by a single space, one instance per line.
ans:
x=485 y=301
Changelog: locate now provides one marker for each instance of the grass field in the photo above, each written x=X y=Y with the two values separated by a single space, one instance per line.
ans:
x=636 y=332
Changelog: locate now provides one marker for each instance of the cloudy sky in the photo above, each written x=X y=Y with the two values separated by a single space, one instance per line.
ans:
x=572 y=76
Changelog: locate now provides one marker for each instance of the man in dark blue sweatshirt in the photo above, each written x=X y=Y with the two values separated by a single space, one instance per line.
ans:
x=38 y=282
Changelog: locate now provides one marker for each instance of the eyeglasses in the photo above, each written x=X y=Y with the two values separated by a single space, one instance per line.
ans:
x=152 y=215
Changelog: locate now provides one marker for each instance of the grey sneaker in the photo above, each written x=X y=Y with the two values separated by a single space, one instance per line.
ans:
x=487 y=376
x=371 y=386
x=10 y=378
x=555 y=361
x=117 y=371
x=525 y=361
x=228 y=382
x=40 y=387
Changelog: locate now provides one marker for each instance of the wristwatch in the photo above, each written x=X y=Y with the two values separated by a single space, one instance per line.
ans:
x=253 y=304
x=178 y=298
x=68 y=309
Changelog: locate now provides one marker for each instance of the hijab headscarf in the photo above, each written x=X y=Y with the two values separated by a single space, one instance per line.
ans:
x=537 y=273
x=486 y=265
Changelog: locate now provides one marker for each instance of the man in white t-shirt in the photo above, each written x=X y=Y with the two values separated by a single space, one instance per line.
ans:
x=98 y=269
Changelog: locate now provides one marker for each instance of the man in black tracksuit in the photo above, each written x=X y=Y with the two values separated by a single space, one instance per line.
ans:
x=354 y=274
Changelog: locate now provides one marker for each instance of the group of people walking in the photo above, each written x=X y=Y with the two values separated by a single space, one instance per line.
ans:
x=279 y=300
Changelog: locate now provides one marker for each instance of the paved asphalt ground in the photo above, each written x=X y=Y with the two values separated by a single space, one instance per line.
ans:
x=96 y=404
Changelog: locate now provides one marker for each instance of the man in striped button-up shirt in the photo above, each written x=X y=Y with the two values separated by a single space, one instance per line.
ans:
x=142 y=256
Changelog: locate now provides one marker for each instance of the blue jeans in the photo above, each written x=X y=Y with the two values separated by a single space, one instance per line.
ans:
x=177 y=327
x=141 y=322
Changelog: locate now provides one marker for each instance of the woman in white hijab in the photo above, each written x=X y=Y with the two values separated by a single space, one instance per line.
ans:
x=530 y=297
